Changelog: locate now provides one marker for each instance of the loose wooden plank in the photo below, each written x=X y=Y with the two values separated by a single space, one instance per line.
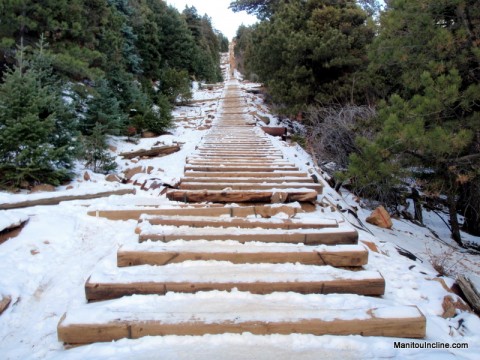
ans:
x=4 y=303
x=471 y=293
x=275 y=255
x=58 y=199
x=153 y=152
x=307 y=237
x=161 y=316
x=244 y=223
x=241 y=196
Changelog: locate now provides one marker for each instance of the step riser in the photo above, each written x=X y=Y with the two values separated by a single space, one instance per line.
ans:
x=369 y=287
x=306 y=239
x=339 y=259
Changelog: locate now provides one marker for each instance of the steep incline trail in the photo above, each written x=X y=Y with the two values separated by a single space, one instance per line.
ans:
x=242 y=256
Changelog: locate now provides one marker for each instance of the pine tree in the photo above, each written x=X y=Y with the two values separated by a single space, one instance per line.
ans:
x=427 y=60
x=36 y=137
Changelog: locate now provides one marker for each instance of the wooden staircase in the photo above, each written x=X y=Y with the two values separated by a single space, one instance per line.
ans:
x=265 y=268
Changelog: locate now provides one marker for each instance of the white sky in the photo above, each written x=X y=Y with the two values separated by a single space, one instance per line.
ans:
x=223 y=18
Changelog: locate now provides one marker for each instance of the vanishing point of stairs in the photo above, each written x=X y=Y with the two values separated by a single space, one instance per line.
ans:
x=257 y=266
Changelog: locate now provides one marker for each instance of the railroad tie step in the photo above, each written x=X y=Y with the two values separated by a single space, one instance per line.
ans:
x=155 y=253
x=222 y=312
x=325 y=236
x=242 y=196
x=238 y=222
x=107 y=282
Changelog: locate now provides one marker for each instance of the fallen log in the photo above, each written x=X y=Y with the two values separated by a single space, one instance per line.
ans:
x=54 y=200
x=472 y=294
x=12 y=231
x=4 y=303
x=153 y=152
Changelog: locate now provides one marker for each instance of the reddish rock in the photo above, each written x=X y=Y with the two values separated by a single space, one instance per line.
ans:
x=129 y=173
x=381 y=218
x=86 y=176
x=450 y=307
x=69 y=187
x=42 y=188
x=148 y=134
x=113 y=178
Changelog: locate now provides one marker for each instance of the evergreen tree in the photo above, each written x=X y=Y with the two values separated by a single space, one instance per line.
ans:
x=427 y=59
x=311 y=51
x=36 y=137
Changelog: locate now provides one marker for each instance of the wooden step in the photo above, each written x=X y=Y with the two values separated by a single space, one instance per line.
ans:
x=242 y=196
x=239 y=222
x=219 y=312
x=111 y=283
x=151 y=253
x=235 y=211
x=235 y=168
x=327 y=236
x=187 y=185
x=240 y=174
x=271 y=180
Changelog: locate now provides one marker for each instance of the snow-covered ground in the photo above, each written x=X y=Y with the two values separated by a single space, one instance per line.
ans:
x=45 y=267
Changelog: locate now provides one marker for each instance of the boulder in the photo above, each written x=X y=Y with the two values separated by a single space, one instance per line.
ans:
x=381 y=218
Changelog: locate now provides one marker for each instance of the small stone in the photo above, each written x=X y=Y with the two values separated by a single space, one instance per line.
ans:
x=69 y=187
x=129 y=173
x=86 y=176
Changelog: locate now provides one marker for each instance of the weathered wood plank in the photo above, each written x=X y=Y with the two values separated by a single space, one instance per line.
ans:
x=58 y=199
x=153 y=152
x=187 y=185
x=244 y=223
x=162 y=317
x=339 y=258
x=241 y=196
x=312 y=237
x=107 y=291
x=471 y=293
x=4 y=303
x=222 y=174
x=238 y=211
x=272 y=180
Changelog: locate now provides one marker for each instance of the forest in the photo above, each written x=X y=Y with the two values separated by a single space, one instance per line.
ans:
x=76 y=71
x=389 y=93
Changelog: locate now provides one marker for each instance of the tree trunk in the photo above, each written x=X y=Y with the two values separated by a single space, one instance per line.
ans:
x=469 y=204
x=417 y=205
x=455 y=226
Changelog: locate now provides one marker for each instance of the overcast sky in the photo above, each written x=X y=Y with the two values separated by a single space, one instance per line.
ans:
x=223 y=18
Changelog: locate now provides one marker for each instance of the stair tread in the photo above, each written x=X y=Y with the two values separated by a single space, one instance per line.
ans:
x=219 y=312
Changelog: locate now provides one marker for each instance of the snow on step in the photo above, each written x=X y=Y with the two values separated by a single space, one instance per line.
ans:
x=215 y=221
x=271 y=180
x=240 y=196
x=205 y=210
x=108 y=282
x=154 y=253
x=223 y=312
x=328 y=236
x=248 y=186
